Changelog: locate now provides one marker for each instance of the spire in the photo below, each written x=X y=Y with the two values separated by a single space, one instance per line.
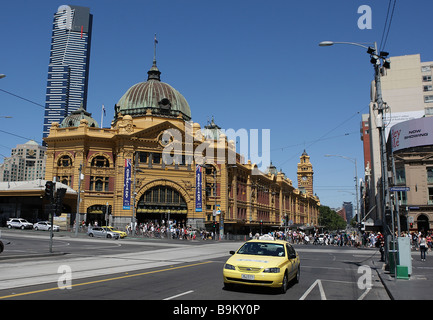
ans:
x=154 y=73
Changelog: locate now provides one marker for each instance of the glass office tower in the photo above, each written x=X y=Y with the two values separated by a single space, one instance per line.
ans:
x=68 y=70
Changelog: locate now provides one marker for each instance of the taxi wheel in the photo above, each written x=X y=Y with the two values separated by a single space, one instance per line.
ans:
x=285 y=283
x=298 y=275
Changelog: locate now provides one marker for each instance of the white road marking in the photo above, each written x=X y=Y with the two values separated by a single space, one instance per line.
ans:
x=179 y=295
x=322 y=292
x=364 y=294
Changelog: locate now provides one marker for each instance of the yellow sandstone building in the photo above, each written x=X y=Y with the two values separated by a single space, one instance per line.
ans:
x=154 y=163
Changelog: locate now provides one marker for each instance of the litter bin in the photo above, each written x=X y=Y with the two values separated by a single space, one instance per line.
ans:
x=393 y=260
x=393 y=257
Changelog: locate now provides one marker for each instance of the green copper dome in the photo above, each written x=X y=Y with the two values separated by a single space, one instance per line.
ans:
x=158 y=97
x=73 y=120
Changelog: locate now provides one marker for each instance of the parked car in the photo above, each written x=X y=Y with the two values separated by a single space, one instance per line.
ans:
x=102 y=233
x=122 y=234
x=19 y=223
x=45 y=225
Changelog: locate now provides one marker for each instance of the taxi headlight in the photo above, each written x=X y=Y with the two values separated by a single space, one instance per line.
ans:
x=229 y=267
x=272 y=270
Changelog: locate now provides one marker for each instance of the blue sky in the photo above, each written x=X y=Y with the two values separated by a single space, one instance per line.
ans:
x=249 y=64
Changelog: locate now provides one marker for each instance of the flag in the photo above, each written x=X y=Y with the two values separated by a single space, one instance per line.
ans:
x=103 y=109
x=156 y=41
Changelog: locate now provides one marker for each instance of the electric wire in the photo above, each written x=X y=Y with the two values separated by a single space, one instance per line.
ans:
x=386 y=29
x=17 y=96
x=321 y=138
x=384 y=26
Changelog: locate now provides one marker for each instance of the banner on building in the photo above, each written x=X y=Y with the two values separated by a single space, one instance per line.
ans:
x=127 y=185
x=198 y=188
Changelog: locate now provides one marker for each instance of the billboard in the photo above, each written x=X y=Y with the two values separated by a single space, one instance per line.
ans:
x=127 y=185
x=412 y=133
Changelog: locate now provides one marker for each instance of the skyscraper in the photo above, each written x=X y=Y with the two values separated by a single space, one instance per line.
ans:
x=68 y=70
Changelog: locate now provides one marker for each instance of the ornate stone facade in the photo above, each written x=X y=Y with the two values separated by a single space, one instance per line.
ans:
x=243 y=198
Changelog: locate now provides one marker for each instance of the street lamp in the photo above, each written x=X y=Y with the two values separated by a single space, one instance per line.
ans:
x=379 y=61
x=330 y=43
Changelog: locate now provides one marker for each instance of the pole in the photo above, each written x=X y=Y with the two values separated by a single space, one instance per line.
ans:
x=133 y=192
x=77 y=215
x=215 y=205
x=52 y=211
x=384 y=163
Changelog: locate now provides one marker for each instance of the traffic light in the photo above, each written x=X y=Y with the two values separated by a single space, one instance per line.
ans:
x=49 y=190
x=109 y=209
x=59 y=200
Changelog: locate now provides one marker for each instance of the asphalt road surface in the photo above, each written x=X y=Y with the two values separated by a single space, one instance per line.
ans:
x=176 y=271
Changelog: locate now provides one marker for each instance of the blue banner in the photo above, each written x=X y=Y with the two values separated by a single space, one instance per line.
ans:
x=198 y=189
x=127 y=185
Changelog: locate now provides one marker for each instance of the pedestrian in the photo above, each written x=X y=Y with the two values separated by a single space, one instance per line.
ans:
x=429 y=242
x=422 y=246
x=381 y=241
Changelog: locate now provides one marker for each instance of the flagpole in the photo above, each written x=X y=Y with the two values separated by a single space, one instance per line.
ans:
x=154 y=48
x=102 y=116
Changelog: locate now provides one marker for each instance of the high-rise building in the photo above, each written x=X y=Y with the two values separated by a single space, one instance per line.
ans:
x=27 y=162
x=68 y=70
x=407 y=90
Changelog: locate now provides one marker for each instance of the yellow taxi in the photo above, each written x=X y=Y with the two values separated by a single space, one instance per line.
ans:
x=122 y=234
x=263 y=262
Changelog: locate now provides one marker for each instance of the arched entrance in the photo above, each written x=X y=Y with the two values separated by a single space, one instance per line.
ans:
x=423 y=223
x=96 y=214
x=162 y=203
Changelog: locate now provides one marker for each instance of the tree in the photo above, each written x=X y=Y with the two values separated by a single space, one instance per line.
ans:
x=330 y=219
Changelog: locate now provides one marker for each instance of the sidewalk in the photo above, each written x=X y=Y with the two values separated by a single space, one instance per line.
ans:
x=419 y=285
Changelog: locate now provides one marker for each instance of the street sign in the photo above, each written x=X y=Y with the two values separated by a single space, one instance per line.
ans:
x=399 y=189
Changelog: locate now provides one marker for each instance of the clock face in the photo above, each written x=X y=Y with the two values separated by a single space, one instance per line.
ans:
x=164 y=140
x=304 y=178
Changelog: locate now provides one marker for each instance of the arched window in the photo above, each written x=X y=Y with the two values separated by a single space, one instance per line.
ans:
x=100 y=162
x=64 y=161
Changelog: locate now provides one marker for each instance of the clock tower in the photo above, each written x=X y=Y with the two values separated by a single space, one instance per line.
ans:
x=305 y=174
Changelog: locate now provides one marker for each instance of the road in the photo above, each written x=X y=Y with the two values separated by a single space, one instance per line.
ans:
x=187 y=271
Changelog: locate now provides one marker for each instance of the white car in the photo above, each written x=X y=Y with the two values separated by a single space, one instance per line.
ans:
x=19 y=223
x=102 y=233
x=45 y=225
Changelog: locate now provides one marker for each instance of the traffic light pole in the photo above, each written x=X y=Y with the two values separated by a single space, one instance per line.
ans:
x=51 y=186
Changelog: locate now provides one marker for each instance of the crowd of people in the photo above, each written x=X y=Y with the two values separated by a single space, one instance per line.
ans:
x=152 y=229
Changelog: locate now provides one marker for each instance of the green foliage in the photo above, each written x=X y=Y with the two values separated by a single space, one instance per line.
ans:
x=330 y=219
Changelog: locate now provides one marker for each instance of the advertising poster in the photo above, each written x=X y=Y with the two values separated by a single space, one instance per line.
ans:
x=198 y=189
x=127 y=185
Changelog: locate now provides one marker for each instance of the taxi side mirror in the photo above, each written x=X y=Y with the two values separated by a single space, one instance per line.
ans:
x=292 y=256
x=231 y=252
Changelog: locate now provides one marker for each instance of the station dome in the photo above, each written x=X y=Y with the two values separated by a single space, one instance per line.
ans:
x=73 y=120
x=155 y=96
